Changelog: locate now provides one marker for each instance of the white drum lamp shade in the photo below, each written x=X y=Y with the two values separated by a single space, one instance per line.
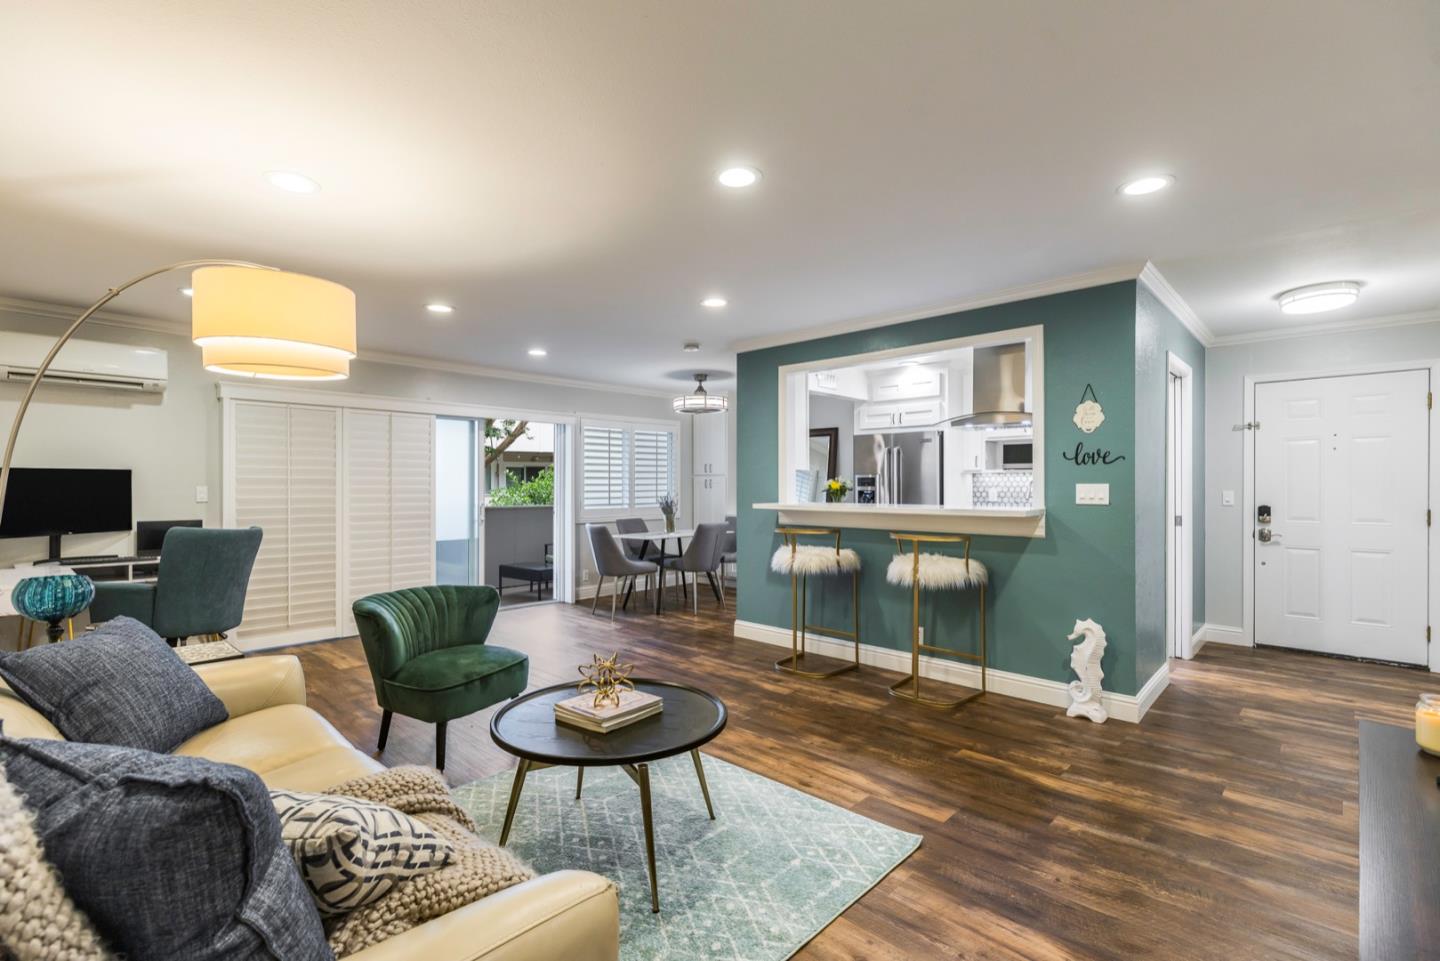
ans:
x=272 y=324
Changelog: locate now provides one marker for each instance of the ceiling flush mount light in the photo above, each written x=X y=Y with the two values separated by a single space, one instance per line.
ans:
x=738 y=177
x=714 y=302
x=272 y=324
x=700 y=402
x=691 y=347
x=537 y=352
x=291 y=181
x=1318 y=298
x=1141 y=186
x=440 y=308
x=187 y=291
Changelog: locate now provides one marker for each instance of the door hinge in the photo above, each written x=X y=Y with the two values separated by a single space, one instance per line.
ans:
x=1427 y=633
x=1179 y=521
x=1427 y=517
x=1429 y=399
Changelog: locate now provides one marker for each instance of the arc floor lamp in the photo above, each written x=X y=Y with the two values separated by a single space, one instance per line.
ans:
x=248 y=319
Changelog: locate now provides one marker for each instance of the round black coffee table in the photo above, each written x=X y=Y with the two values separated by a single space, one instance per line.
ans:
x=526 y=728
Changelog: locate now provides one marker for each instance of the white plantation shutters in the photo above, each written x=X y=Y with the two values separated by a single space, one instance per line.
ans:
x=653 y=460
x=626 y=467
x=606 y=486
x=389 y=498
x=285 y=478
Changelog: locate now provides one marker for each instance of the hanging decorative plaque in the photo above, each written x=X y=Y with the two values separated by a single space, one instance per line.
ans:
x=1089 y=415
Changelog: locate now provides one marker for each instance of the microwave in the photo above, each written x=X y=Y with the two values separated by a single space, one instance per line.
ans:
x=1017 y=455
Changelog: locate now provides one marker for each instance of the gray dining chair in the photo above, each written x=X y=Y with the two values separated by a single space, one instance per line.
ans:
x=635 y=550
x=702 y=556
x=610 y=561
x=729 y=547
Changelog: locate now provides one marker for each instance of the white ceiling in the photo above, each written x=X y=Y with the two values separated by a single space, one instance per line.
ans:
x=548 y=167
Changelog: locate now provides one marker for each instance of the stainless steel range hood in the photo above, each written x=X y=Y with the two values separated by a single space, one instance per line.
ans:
x=999 y=389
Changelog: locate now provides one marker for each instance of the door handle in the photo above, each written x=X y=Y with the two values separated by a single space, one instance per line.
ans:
x=1266 y=536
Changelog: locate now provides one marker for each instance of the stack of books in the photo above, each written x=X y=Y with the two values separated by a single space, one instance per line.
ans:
x=580 y=711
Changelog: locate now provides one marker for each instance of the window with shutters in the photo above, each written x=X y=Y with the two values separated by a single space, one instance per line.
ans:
x=626 y=468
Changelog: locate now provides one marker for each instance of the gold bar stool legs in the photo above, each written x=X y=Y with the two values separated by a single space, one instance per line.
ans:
x=800 y=561
x=941 y=572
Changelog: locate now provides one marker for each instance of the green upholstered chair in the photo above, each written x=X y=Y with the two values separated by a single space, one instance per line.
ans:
x=428 y=657
x=200 y=587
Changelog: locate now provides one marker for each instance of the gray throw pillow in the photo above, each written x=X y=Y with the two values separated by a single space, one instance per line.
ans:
x=171 y=858
x=120 y=684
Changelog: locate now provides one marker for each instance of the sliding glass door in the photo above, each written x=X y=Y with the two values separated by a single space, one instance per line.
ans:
x=458 y=545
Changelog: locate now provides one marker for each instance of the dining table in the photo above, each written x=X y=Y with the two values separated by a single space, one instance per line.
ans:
x=647 y=538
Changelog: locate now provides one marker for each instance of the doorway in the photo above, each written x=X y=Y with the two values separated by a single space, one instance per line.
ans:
x=1341 y=514
x=1179 y=502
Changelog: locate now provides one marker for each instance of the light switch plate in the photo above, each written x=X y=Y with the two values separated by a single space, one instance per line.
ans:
x=1227 y=498
x=1092 y=494
x=202 y=494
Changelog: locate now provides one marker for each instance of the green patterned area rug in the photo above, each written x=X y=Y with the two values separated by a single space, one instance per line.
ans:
x=775 y=867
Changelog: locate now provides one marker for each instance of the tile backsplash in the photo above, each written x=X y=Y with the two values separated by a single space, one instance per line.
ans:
x=1003 y=488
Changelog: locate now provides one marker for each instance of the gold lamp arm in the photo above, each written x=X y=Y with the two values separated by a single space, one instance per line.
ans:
x=110 y=295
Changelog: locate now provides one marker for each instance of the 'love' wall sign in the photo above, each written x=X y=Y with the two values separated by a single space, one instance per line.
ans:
x=1089 y=415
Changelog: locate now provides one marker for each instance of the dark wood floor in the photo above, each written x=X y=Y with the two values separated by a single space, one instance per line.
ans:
x=1224 y=827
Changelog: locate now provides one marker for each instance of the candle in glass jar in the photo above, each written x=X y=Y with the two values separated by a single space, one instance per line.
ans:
x=1427 y=723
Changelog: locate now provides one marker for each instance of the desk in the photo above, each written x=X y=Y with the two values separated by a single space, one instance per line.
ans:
x=648 y=537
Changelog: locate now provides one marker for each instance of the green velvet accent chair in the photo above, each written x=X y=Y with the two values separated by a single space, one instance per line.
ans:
x=200 y=588
x=428 y=657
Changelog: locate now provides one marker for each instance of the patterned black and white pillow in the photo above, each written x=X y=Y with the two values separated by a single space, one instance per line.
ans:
x=352 y=852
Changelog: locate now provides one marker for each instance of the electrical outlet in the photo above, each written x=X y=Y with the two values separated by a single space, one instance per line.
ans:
x=1092 y=494
x=202 y=494
x=1227 y=498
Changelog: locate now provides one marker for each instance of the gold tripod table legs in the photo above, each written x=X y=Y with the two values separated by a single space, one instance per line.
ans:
x=909 y=687
x=800 y=625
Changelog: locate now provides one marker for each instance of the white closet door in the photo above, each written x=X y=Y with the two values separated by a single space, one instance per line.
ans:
x=367 y=504
x=262 y=495
x=314 y=535
x=412 y=500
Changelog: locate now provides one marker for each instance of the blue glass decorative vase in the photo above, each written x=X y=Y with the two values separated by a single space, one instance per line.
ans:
x=53 y=599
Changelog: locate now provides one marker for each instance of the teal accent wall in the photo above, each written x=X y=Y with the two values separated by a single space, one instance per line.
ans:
x=1085 y=566
x=1157 y=333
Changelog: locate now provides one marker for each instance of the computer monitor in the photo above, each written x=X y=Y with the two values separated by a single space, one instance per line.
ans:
x=50 y=502
x=150 y=535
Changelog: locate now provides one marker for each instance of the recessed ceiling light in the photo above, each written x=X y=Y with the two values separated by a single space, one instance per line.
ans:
x=440 y=308
x=187 y=291
x=738 y=176
x=691 y=347
x=1146 y=185
x=715 y=302
x=291 y=181
x=1318 y=298
x=537 y=352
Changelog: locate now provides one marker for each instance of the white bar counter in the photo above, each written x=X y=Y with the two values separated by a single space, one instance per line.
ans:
x=1001 y=521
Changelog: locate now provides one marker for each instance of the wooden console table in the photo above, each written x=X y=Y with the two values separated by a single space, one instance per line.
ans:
x=1399 y=846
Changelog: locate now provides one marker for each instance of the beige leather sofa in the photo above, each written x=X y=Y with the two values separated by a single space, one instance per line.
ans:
x=568 y=914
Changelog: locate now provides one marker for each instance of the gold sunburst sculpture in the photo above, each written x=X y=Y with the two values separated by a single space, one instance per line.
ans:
x=608 y=677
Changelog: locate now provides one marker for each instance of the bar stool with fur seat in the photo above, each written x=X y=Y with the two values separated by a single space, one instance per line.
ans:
x=801 y=562
x=935 y=572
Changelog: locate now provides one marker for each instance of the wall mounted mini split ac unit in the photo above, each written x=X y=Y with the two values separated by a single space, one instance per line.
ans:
x=83 y=363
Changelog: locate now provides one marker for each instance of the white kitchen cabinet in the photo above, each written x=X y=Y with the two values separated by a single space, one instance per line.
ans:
x=918 y=413
x=707 y=448
x=906 y=383
x=708 y=499
x=873 y=417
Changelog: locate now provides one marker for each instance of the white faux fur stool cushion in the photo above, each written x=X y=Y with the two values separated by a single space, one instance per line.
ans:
x=812 y=559
x=938 y=572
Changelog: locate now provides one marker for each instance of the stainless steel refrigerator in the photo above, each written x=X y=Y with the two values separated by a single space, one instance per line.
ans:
x=908 y=466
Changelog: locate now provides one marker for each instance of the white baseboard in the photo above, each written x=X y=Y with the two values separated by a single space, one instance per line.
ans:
x=1122 y=707
x=1221 y=634
x=1197 y=640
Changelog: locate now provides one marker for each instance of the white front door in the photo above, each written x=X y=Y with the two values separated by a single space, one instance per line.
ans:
x=1341 y=563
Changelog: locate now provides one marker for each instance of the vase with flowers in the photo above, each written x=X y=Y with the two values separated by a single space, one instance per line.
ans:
x=835 y=490
x=667 y=505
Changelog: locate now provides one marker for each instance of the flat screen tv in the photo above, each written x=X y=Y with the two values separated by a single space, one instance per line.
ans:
x=49 y=502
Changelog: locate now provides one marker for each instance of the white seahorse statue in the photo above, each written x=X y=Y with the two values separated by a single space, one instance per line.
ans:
x=1085 y=662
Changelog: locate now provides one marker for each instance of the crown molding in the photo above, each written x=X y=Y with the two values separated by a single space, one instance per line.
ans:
x=36 y=308
x=1337 y=327
x=1156 y=283
x=1060 y=285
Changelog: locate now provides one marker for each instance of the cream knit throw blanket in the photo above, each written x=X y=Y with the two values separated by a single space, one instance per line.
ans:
x=38 y=921
x=479 y=867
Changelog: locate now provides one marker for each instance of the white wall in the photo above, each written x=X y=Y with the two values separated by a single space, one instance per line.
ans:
x=1225 y=371
x=171 y=441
